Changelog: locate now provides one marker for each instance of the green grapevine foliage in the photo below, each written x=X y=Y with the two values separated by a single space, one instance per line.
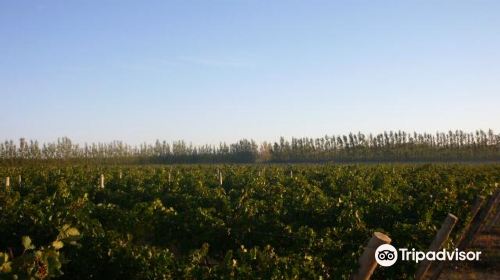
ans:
x=263 y=222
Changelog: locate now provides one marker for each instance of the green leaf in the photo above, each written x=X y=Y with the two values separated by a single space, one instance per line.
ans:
x=57 y=244
x=27 y=243
x=68 y=233
x=6 y=267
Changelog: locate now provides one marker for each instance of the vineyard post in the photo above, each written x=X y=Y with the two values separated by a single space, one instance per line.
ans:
x=291 y=173
x=20 y=180
x=475 y=215
x=494 y=221
x=7 y=183
x=475 y=210
x=476 y=224
x=120 y=175
x=220 y=177
x=102 y=181
x=437 y=243
x=367 y=263
x=493 y=204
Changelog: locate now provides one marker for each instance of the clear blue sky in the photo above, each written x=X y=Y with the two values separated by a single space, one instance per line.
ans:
x=220 y=70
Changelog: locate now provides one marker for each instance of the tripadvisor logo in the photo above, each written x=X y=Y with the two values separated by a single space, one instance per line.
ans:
x=387 y=255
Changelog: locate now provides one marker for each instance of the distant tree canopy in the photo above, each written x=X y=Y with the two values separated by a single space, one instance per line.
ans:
x=353 y=147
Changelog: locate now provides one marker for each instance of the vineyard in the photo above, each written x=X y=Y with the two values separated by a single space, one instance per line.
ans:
x=225 y=222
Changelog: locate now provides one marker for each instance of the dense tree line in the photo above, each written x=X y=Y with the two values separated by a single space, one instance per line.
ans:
x=352 y=147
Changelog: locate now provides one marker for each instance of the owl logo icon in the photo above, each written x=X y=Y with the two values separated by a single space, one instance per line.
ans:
x=386 y=255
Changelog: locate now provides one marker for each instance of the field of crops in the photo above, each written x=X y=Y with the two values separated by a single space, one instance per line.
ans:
x=263 y=221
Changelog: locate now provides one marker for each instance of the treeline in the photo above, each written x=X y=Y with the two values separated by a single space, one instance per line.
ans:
x=352 y=147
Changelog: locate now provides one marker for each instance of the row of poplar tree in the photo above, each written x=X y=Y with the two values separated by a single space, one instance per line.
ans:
x=353 y=147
